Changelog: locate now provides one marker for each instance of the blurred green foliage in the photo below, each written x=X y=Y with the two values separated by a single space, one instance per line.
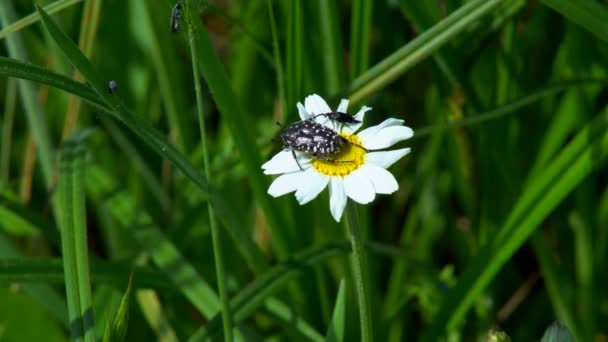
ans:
x=501 y=215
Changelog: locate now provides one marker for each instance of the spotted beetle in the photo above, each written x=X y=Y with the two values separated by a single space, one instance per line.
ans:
x=313 y=138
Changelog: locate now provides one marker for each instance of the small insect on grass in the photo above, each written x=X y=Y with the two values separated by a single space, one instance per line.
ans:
x=311 y=137
x=176 y=16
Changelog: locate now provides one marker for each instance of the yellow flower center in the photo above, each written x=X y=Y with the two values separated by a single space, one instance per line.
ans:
x=350 y=158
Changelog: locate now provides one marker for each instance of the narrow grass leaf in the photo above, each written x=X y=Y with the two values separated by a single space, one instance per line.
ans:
x=589 y=14
x=50 y=270
x=237 y=122
x=14 y=68
x=332 y=44
x=30 y=19
x=418 y=49
x=337 y=325
x=121 y=321
x=360 y=28
x=74 y=237
x=33 y=109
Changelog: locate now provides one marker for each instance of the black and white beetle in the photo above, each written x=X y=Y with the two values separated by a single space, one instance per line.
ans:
x=176 y=16
x=313 y=138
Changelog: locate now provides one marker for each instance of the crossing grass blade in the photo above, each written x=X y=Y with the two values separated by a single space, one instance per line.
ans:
x=50 y=270
x=237 y=122
x=166 y=256
x=418 y=49
x=74 y=237
x=592 y=15
x=256 y=293
x=24 y=22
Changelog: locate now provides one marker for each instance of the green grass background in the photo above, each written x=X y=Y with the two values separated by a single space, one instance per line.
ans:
x=500 y=221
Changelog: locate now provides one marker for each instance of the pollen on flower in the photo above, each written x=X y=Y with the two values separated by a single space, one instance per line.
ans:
x=350 y=158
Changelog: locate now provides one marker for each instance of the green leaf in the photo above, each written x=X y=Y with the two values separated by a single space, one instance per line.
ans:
x=74 y=237
x=337 y=325
x=360 y=29
x=119 y=326
x=589 y=14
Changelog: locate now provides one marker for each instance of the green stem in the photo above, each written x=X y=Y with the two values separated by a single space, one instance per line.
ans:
x=359 y=265
x=215 y=232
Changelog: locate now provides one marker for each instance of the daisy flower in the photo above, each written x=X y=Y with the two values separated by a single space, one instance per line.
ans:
x=357 y=171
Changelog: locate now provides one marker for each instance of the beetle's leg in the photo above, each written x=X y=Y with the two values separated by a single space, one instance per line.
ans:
x=293 y=153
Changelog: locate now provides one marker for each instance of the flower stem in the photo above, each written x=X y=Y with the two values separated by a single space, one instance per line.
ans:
x=359 y=265
x=213 y=226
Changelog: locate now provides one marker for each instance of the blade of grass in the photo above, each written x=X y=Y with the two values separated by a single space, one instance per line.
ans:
x=33 y=110
x=74 y=237
x=285 y=314
x=50 y=270
x=13 y=68
x=552 y=280
x=589 y=14
x=337 y=326
x=333 y=59
x=360 y=28
x=548 y=188
x=216 y=234
x=88 y=30
x=153 y=311
x=24 y=22
x=418 y=49
x=237 y=122
x=277 y=60
x=295 y=52
x=10 y=100
x=153 y=38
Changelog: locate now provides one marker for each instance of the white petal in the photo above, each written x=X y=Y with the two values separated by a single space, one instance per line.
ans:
x=316 y=105
x=385 y=159
x=285 y=184
x=304 y=115
x=375 y=129
x=350 y=129
x=343 y=107
x=358 y=187
x=312 y=183
x=283 y=162
x=337 y=197
x=383 y=181
x=385 y=137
